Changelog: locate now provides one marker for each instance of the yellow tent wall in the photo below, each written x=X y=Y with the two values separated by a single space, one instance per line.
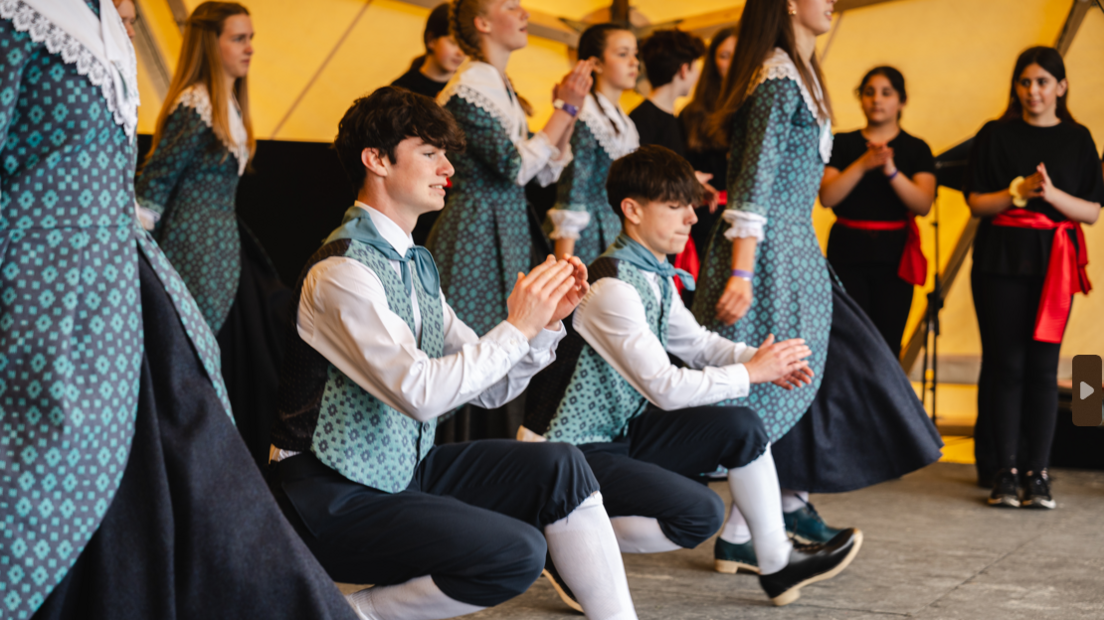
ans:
x=313 y=58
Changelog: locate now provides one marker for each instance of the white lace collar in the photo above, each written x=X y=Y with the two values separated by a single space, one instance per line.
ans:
x=780 y=66
x=197 y=98
x=617 y=143
x=99 y=47
x=481 y=85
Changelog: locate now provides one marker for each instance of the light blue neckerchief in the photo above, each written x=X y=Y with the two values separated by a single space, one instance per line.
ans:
x=358 y=225
x=629 y=250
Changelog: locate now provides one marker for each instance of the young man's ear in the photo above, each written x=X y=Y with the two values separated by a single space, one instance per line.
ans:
x=375 y=161
x=633 y=210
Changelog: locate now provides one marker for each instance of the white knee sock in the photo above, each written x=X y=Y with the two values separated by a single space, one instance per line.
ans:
x=417 y=599
x=755 y=491
x=640 y=535
x=794 y=500
x=735 y=530
x=584 y=549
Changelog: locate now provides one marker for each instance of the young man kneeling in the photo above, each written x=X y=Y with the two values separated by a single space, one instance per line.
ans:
x=645 y=425
x=377 y=356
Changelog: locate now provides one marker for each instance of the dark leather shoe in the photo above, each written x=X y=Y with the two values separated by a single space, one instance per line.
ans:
x=811 y=563
x=732 y=558
x=566 y=595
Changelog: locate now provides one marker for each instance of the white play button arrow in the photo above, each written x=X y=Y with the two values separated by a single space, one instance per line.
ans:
x=1086 y=390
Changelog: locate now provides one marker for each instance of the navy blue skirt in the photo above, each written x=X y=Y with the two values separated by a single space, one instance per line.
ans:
x=866 y=425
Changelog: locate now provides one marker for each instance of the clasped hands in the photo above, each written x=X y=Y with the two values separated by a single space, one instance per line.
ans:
x=546 y=295
x=879 y=155
x=781 y=363
x=1038 y=185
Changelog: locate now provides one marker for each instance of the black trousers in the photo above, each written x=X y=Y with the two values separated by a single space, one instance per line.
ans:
x=656 y=469
x=1018 y=386
x=472 y=518
x=883 y=296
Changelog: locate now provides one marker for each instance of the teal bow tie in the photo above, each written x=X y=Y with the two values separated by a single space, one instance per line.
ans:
x=629 y=250
x=358 y=225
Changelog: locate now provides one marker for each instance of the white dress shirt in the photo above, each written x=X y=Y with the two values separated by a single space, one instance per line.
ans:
x=344 y=315
x=611 y=319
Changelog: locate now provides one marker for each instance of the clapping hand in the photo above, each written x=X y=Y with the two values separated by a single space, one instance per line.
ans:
x=575 y=86
x=782 y=363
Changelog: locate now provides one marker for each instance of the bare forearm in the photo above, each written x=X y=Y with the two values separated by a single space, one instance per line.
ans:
x=743 y=253
x=983 y=205
x=1076 y=209
x=558 y=128
x=917 y=194
x=837 y=185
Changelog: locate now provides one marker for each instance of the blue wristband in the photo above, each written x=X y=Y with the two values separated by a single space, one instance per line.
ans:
x=740 y=273
x=890 y=177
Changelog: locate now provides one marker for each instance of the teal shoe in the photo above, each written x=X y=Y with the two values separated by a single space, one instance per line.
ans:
x=732 y=558
x=806 y=526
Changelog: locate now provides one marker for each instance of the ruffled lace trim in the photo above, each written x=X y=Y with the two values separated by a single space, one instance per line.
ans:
x=618 y=143
x=197 y=98
x=510 y=123
x=72 y=52
x=744 y=224
x=567 y=224
x=781 y=67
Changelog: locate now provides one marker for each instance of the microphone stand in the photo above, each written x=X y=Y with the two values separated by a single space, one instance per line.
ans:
x=931 y=326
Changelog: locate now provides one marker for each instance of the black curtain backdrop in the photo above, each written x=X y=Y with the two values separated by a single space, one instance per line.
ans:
x=294 y=196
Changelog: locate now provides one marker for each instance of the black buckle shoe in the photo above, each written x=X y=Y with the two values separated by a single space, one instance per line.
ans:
x=810 y=564
x=1036 y=493
x=566 y=595
x=1005 y=490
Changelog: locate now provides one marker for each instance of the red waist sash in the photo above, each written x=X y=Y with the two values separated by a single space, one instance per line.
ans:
x=914 y=267
x=1065 y=272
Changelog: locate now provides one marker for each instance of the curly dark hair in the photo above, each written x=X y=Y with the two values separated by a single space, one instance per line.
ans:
x=652 y=173
x=664 y=51
x=384 y=119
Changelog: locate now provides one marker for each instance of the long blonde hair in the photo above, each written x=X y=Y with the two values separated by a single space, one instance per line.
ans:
x=201 y=63
x=462 y=14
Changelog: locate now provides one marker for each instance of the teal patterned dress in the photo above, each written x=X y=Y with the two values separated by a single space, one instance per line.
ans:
x=92 y=388
x=191 y=182
x=860 y=423
x=775 y=169
x=595 y=144
x=483 y=237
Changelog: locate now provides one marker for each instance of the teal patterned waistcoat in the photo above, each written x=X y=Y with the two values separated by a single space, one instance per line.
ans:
x=598 y=403
x=357 y=434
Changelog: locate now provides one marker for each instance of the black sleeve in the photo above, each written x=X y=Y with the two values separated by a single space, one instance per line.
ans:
x=1092 y=185
x=924 y=160
x=645 y=129
x=841 y=154
x=983 y=172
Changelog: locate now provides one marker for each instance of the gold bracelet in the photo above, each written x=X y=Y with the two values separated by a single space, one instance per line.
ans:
x=1014 y=188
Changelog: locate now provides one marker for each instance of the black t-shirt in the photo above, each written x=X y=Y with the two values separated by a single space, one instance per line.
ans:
x=874 y=199
x=658 y=127
x=415 y=81
x=1004 y=150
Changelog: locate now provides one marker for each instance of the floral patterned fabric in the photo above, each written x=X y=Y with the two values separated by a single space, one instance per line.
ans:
x=482 y=240
x=71 y=339
x=582 y=187
x=775 y=169
x=192 y=180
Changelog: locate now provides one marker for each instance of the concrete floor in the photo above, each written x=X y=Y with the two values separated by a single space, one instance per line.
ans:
x=932 y=550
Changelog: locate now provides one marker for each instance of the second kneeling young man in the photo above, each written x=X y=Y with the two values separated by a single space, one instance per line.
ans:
x=377 y=356
x=646 y=426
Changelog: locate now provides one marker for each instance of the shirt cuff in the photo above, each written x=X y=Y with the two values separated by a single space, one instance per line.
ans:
x=547 y=339
x=741 y=381
x=749 y=352
x=567 y=223
x=744 y=224
x=510 y=341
